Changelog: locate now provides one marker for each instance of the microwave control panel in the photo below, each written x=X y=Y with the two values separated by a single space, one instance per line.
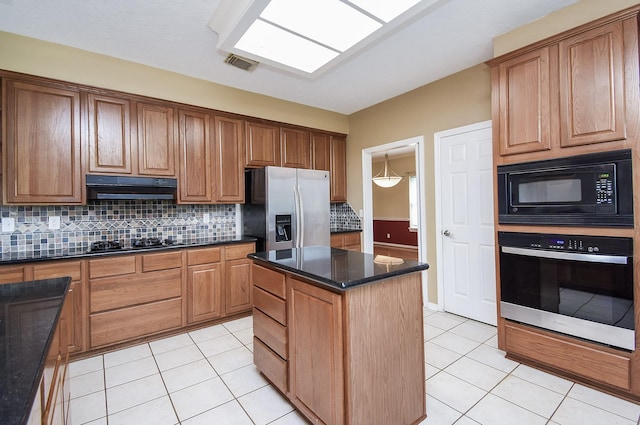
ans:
x=604 y=189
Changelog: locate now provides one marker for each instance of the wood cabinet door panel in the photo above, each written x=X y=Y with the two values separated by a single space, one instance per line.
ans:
x=229 y=162
x=321 y=151
x=196 y=174
x=115 y=292
x=73 y=269
x=133 y=322
x=238 y=293
x=109 y=136
x=204 y=292
x=156 y=140
x=526 y=103
x=295 y=148
x=262 y=147
x=338 y=169
x=42 y=146
x=316 y=352
x=592 y=92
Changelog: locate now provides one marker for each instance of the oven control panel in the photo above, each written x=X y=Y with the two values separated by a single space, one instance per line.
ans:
x=605 y=245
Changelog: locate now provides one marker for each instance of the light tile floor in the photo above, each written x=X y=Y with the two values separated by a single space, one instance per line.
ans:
x=208 y=377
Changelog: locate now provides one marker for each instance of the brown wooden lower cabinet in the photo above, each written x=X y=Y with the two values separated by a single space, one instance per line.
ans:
x=204 y=285
x=352 y=357
x=349 y=241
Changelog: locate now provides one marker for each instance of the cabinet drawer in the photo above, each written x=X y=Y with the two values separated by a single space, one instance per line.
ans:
x=269 y=280
x=336 y=240
x=13 y=274
x=271 y=365
x=133 y=322
x=351 y=238
x=272 y=333
x=568 y=356
x=61 y=269
x=117 y=292
x=270 y=305
x=238 y=252
x=203 y=256
x=161 y=261
x=112 y=266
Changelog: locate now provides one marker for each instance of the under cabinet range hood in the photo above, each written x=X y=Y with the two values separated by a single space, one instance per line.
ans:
x=130 y=188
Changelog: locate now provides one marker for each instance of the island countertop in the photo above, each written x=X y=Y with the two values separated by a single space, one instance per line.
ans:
x=337 y=269
x=29 y=314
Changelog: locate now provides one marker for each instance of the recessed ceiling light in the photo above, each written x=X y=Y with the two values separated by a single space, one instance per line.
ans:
x=307 y=37
x=386 y=10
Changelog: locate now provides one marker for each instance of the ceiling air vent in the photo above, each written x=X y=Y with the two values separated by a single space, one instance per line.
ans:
x=240 y=62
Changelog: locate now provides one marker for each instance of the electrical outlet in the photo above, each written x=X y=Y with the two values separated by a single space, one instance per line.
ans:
x=54 y=222
x=205 y=217
x=8 y=224
x=388 y=235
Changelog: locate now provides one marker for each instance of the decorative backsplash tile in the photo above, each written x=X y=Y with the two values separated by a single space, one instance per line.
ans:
x=343 y=217
x=127 y=220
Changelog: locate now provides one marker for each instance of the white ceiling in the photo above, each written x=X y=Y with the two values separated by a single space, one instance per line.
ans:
x=174 y=35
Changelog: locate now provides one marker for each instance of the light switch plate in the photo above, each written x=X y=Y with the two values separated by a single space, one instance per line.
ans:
x=8 y=224
x=54 y=222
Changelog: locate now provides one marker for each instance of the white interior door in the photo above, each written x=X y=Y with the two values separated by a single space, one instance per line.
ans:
x=466 y=222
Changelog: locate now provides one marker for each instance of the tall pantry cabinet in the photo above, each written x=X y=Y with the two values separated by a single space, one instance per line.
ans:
x=572 y=94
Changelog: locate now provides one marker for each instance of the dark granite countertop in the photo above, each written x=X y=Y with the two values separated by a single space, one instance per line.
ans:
x=28 y=319
x=336 y=231
x=83 y=252
x=337 y=269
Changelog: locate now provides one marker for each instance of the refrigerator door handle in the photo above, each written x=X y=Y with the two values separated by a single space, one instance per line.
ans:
x=299 y=217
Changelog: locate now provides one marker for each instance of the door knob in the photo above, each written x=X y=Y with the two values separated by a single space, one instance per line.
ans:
x=446 y=233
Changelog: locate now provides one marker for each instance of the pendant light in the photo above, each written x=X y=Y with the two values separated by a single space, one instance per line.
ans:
x=386 y=180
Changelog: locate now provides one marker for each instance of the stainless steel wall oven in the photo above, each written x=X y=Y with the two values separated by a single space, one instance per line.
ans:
x=576 y=285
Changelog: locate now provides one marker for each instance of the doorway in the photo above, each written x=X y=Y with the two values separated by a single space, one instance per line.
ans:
x=464 y=221
x=416 y=144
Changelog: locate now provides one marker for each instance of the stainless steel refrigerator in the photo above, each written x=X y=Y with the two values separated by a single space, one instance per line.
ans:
x=286 y=207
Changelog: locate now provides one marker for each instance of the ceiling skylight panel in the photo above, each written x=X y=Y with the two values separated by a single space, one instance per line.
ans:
x=386 y=10
x=270 y=42
x=329 y=22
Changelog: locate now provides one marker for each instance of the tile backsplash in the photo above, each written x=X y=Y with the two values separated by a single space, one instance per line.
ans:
x=127 y=220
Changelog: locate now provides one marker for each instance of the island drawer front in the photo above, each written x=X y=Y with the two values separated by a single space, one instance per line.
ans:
x=72 y=269
x=272 y=333
x=116 y=292
x=112 y=266
x=203 y=256
x=129 y=323
x=269 y=280
x=161 y=261
x=271 y=365
x=271 y=305
x=572 y=357
x=238 y=252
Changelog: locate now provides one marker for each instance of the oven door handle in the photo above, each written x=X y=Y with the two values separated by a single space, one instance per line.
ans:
x=591 y=258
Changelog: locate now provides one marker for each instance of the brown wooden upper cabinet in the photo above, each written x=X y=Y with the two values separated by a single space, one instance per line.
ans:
x=156 y=131
x=109 y=136
x=320 y=151
x=229 y=174
x=262 y=144
x=195 y=147
x=564 y=94
x=295 y=148
x=41 y=153
x=338 y=169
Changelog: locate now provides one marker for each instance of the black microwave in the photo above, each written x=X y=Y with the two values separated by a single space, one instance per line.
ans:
x=587 y=190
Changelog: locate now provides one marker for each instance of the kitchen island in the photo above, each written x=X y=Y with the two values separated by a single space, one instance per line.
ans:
x=340 y=334
x=33 y=381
